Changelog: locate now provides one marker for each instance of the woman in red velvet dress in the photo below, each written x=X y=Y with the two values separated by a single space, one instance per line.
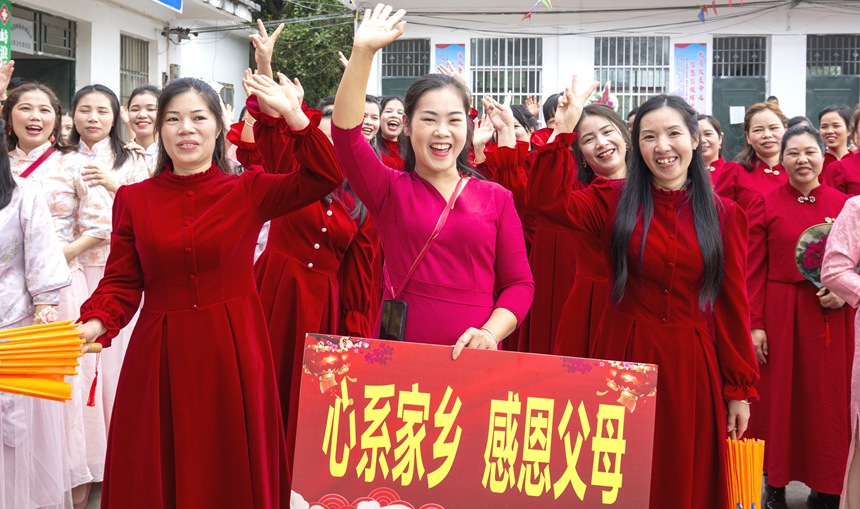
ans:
x=807 y=361
x=390 y=128
x=599 y=141
x=678 y=259
x=196 y=421
x=844 y=174
x=834 y=123
x=711 y=132
x=756 y=169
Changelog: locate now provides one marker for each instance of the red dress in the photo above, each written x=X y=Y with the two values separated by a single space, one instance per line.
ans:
x=737 y=183
x=703 y=357
x=844 y=175
x=830 y=159
x=196 y=421
x=589 y=294
x=716 y=169
x=315 y=273
x=390 y=154
x=805 y=385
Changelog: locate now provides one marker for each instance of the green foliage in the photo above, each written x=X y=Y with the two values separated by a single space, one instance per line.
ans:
x=307 y=48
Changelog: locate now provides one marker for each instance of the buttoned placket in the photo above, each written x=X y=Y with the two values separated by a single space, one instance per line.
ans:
x=671 y=258
x=188 y=243
x=322 y=233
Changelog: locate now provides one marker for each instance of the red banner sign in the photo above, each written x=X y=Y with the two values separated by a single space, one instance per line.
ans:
x=402 y=425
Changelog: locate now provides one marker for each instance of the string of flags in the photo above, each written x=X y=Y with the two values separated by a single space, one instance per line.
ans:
x=703 y=9
x=546 y=3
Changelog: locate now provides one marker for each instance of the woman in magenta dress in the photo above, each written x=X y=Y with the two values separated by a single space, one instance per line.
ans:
x=844 y=174
x=802 y=335
x=756 y=169
x=711 y=132
x=600 y=141
x=196 y=421
x=474 y=285
x=390 y=128
x=677 y=255
x=834 y=124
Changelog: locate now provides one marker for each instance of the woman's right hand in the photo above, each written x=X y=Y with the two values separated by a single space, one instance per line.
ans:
x=570 y=105
x=90 y=331
x=284 y=97
x=759 y=339
x=378 y=28
x=264 y=47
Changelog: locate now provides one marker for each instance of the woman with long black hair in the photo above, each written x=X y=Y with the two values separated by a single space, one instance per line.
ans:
x=677 y=288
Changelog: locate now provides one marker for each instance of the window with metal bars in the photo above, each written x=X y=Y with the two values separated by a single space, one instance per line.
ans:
x=740 y=57
x=133 y=66
x=406 y=58
x=499 y=66
x=54 y=36
x=833 y=55
x=638 y=67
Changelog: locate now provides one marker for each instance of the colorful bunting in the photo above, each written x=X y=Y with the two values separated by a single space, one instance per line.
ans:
x=714 y=6
x=547 y=3
x=702 y=10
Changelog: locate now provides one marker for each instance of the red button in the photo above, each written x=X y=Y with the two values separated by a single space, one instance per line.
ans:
x=665 y=291
x=664 y=320
x=187 y=249
x=670 y=265
x=192 y=276
x=194 y=306
x=189 y=193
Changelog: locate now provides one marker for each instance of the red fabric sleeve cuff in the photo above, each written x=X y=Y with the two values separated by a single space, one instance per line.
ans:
x=234 y=136
x=357 y=324
x=739 y=392
x=562 y=141
x=109 y=323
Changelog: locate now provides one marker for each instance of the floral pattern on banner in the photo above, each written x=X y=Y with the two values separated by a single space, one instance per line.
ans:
x=380 y=498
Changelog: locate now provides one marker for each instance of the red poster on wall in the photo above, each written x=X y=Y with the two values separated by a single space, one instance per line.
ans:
x=401 y=425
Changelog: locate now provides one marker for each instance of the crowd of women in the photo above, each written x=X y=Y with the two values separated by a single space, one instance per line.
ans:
x=589 y=237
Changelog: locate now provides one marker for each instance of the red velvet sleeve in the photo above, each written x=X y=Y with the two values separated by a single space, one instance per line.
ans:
x=834 y=176
x=286 y=190
x=356 y=282
x=552 y=193
x=117 y=297
x=246 y=152
x=506 y=166
x=731 y=310
x=727 y=181
x=757 y=261
x=514 y=281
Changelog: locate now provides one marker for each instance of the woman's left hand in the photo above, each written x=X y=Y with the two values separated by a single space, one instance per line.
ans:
x=829 y=299
x=285 y=98
x=474 y=338
x=739 y=417
x=95 y=176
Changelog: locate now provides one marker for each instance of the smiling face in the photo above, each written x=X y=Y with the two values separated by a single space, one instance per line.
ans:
x=33 y=119
x=803 y=160
x=602 y=146
x=765 y=134
x=667 y=146
x=188 y=133
x=834 y=131
x=392 y=119
x=94 y=118
x=141 y=114
x=370 y=124
x=711 y=141
x=68 y=124
x=438 y=131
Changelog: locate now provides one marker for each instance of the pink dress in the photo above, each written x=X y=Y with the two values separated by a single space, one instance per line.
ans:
x=838 y=275
x=478 y=262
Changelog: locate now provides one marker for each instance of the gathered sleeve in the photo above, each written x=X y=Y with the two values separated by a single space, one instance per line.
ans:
x=514 y=282
x=834 y=176
x=273 y=138
x=117 y=297
x=553 y=192
x=506 y=166
x=727 y=181
x=731 y=310
x=757 y=261
x=842 y=255
x=246 y=151
x=45 y=269
x=356 y=282
x=310 y=173
x=369 y=177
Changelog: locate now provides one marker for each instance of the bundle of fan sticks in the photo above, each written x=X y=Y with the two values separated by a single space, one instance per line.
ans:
x=35 y=360
x=744 y=465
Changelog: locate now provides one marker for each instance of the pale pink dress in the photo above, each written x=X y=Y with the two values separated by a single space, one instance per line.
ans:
x=839 y=276
x=77 y=209
x=33 y=464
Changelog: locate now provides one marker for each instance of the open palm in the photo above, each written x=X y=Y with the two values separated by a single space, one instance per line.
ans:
x=571 y=103
x=379 y=28
x=283 y=97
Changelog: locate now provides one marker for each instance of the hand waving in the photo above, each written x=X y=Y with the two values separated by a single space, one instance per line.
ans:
x=571 y=103
x=450 y=70
x=6 y=70
x=378 y=28
x=264 y=46
x=533 y=106
x=285 y=97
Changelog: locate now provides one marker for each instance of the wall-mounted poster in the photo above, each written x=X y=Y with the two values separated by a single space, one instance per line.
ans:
x=691 y=73
x=454 y=53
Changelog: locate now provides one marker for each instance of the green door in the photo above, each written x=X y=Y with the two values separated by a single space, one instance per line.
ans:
x=396 y=86
x=728 y=92
x=58 y=74
x=822 y=91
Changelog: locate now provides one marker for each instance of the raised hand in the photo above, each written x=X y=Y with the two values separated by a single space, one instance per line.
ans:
x=342 y=59
x=264 y=46
x=533 y=106
x=571 y=103
x=502 y=118
x=450 y=70
x=6 y=70
x=482 y=134
x=378 y=28
x=285 y=97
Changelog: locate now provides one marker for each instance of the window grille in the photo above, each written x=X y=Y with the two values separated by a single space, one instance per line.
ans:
x=638 y=67
x=134 y=65
x=406 y=58
x=833 y=55
x=55 y=36
x=499 y=66
x=740 y=57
